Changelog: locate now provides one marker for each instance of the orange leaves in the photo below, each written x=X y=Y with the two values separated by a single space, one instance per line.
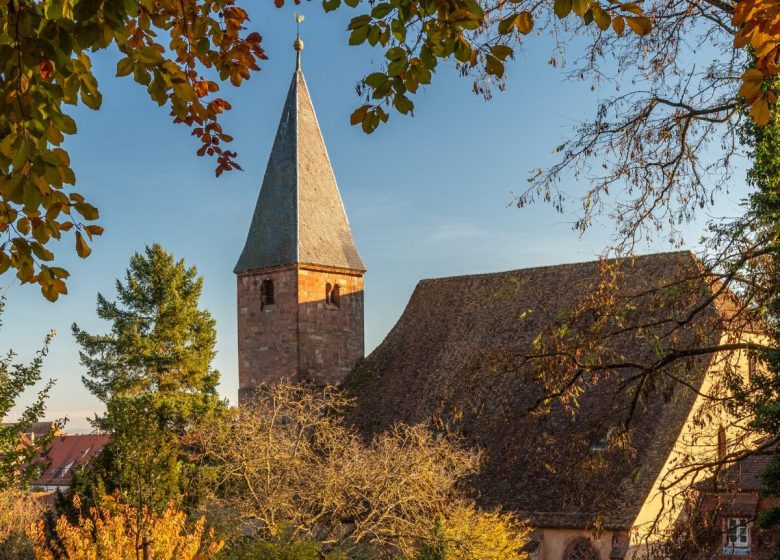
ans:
x=45 y=68
x=759 y=27
x=639 y=25
x=208 y=43
x=616 y=15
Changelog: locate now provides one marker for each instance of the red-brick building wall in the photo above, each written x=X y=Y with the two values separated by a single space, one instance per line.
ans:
x=300 y=336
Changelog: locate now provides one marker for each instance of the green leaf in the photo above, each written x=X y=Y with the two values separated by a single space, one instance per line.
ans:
x=381 y=10
x=580 y=7
x=501 y=51
x=506 y=25
x=395 y=53
x=402 y=104
x=494 y=66
x=150 y=55
x=376 y=79
x=358 y=35
x=330 y=5
x=399 y=30
x=396 y=67
x=359 y=21
x=562 y=8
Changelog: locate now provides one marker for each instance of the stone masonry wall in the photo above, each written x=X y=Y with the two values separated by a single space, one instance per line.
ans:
x=268 y=337
x=330 y=336
x=301 y=336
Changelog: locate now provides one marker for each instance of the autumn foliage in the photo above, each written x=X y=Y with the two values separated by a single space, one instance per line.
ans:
x=116 y=530
x=758 y=23
x=178 y=50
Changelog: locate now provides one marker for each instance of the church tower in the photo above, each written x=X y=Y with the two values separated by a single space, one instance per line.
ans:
x=300 y=277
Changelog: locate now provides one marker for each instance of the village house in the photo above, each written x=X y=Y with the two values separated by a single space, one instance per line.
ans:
x=602 y=478
x=732 y=501
x=64 y=455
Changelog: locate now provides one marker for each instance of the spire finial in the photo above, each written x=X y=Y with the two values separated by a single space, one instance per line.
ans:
x=298 y=44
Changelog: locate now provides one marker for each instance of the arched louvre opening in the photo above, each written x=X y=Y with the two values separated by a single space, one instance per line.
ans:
x=266 y=292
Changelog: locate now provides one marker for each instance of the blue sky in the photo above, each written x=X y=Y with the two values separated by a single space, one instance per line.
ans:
x=426 y=196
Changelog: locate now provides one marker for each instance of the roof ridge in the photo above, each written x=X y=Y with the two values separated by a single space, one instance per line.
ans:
x=558 y=266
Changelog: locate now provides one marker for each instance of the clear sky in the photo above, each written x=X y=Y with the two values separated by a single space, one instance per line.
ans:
x=426 y=196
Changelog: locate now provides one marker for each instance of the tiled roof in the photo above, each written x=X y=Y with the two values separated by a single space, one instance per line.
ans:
x=65 y=454
x=454 y=358
x=745 y=475
x=299 y=217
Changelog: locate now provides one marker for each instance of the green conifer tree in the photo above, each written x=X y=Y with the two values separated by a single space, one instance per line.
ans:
x=153 y=372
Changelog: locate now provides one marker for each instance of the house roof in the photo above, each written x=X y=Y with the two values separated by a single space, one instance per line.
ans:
x=743 y=476
x=458 y=358
x=299 y=216
x=65 y=454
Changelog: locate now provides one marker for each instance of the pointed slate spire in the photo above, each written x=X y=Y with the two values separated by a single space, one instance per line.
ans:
x=299 y=216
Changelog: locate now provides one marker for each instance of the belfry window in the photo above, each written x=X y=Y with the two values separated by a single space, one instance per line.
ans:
x=266 y=293
x=334 y=297
x=582 y=550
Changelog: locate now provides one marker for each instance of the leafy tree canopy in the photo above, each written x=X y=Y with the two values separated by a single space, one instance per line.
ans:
x=16 y=455
x=182 y=51
x=179 y=51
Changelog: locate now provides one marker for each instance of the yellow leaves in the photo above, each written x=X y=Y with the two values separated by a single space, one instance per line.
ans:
x=601 y=17
x=523 y=22
x=580 y=6
x=82 y=249
x=593 y=11
x=759 y=27
x=562 y=8
x=639 y=25
x=618 y=25
x=470 y=534
x=752 y=81
x=113 y=530
x=759 y=111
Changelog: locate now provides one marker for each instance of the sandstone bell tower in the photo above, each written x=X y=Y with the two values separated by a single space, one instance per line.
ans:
x=300 y=277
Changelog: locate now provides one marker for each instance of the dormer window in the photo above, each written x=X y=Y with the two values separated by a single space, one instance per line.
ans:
x=266 y=293
x=603 y=444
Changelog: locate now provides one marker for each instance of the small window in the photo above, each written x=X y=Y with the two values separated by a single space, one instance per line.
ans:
x=603 y=444
x=328 y=288
x=582 y=550
x=737 y=537
x=335 y=296
x=266 y=293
